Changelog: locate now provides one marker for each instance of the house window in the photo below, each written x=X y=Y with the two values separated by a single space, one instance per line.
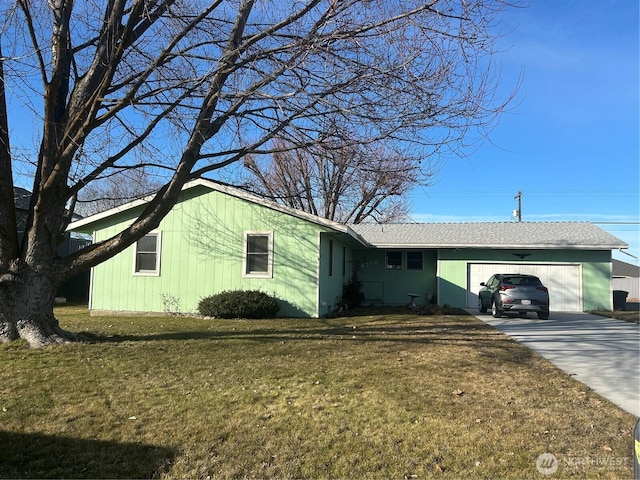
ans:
x=258 y=258
x=414 y=260
x=331 y=258
x=146 y=255
x=394 y=260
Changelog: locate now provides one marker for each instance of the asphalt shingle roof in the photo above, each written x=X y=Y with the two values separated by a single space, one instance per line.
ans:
x=624 y=269
x=571 y=235
x=559 y=235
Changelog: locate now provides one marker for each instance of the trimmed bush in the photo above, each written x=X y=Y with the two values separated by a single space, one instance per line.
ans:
x=239 y=304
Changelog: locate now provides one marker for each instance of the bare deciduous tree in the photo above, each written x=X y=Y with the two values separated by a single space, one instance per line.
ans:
x=116 y=190
x=186 y=87
x=338 y=180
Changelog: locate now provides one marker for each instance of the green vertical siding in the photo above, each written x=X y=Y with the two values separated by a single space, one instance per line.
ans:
x=452 y=282
x=596 y=282
x=332 y=279
x=391 y=286
x=202 y=254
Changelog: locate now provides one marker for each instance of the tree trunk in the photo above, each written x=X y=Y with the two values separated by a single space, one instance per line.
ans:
x=26 y=309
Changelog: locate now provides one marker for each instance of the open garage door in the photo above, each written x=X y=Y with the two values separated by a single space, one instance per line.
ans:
x=563 y=281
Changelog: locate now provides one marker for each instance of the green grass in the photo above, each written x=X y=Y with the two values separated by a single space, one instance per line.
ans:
x=385 y=395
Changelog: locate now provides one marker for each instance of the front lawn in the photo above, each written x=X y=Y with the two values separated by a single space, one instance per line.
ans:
x=386 y=395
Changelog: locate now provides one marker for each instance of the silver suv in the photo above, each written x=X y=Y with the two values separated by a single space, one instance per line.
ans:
x=514 y=293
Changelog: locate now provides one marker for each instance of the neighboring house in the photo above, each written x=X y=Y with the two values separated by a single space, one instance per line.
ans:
x=626 y=277
x=218 y=238
x=21 y=199
x=76 y=288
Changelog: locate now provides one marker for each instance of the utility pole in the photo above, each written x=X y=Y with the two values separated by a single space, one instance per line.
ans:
x=519 y=211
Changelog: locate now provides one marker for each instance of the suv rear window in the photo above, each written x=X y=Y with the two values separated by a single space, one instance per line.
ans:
x=522 y=281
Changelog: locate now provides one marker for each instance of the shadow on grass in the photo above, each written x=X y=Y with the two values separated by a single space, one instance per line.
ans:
x=34 y=455
x=397 y=330
x=388 y=332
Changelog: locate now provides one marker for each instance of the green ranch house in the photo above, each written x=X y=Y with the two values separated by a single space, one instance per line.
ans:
x=219 y=238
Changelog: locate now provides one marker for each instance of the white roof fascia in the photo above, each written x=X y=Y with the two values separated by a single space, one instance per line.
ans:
x=107 y=213
x=235 y=192
x=339 y=227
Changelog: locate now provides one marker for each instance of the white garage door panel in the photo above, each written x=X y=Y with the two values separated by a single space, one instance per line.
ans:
x=563 y=281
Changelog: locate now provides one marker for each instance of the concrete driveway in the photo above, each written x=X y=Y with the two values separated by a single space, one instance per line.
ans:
x=602 y=353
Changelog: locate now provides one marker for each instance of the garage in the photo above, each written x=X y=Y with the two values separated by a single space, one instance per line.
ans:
x=562 y=280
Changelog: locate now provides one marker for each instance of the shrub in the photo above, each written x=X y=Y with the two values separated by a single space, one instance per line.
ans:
x=239 y=304
x=352 y=295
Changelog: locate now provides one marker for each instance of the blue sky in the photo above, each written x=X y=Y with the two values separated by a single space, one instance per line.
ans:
x=570 y=142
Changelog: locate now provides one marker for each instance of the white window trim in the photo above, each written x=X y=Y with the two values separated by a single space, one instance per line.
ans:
x=269 y=272
x=386 y=260
x=149 y=273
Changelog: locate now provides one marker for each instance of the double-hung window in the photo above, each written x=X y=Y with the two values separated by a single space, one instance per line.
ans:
x=414 y=260
x=331 y=258
x=146 y=255
x=394 y=260
x=344 y=261
x=258 y=254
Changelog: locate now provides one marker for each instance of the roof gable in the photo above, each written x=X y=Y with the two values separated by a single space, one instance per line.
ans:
x=531 y=235
x=83 y=224
x=523 y=235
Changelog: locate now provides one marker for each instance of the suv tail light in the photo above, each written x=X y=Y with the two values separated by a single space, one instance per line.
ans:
x=544 y=289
